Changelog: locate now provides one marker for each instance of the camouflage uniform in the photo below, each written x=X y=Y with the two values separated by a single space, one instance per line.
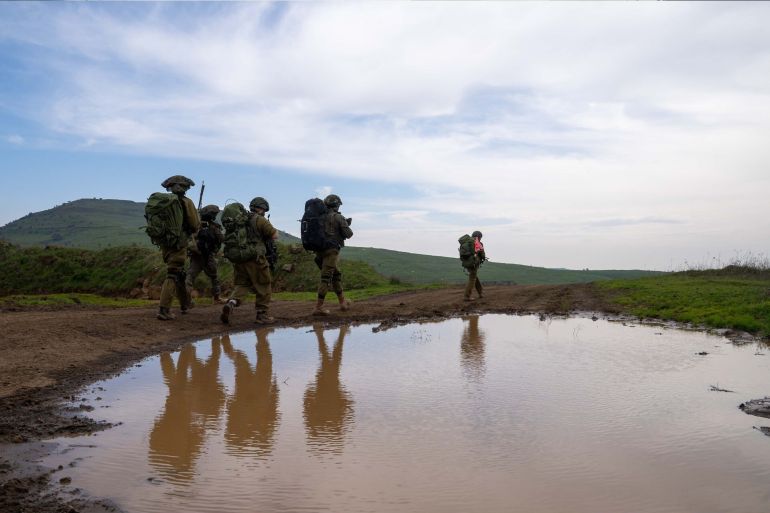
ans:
x=253 y=275
x=473 y=272
x=203 y=253
x=337 y=229
x=174 y=257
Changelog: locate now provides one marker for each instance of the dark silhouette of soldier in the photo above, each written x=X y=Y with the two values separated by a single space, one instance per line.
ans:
x=252 y=411
x=472 y=349
x=328 y=408
x=193 y=406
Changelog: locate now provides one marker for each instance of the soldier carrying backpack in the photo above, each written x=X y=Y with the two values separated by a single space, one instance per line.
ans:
x=324 y=231
x=246 y=235
x=171 y=220
x=203 y=253
x=472 y=255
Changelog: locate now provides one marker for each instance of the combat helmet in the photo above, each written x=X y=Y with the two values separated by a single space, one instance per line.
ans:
x=181 y=180
x=209 y=212
x=332 y=201
x=259 y=202
x=476 y=234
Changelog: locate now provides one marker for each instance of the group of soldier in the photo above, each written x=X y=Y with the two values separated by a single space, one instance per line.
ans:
x=202 y=237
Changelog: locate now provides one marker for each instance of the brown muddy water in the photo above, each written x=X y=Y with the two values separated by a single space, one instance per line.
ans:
x=482 y=414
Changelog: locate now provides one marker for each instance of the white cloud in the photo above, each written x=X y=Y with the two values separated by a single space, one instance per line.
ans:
x=15 y=139
x=556 y=116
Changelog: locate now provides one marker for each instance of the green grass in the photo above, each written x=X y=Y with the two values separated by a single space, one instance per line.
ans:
x=718 y=299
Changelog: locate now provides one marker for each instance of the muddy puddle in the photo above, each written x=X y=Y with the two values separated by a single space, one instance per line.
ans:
x=493 y=413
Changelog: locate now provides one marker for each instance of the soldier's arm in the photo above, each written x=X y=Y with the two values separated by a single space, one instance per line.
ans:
x=343 y=227
x=193 y=219
x=265 y=229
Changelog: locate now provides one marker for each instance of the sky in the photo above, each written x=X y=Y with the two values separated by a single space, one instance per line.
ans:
x=576 y=135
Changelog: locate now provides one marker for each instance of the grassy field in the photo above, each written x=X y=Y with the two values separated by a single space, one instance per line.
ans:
x=736 y=298
x=121 y=270
x=416 y=268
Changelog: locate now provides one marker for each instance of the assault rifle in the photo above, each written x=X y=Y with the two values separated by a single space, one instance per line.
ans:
x=271 y=254
x=200 y=197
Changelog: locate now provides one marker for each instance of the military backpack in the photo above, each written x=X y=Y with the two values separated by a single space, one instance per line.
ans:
x=467 y=251
x=241 y=242
x=165 y=220
x=313 y=228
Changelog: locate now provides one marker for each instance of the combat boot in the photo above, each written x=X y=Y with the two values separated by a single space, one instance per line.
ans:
x=164 y=314
x=319 y=309
x=264 y=318
x=226 y=311
x=344 y=304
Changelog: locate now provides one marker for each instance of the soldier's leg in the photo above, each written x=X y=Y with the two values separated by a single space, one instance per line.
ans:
x=243 y=285
x=196 y=266
x=263 y=290
x=472 y=274
x=337 y=287
x=479 y=287
x=328 y=265
x=174 y=260
x=210 y=268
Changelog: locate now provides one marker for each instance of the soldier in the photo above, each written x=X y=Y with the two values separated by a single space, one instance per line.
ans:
x=472 y=265
x=337 y=229
x=202 y=253
x=174 y=257
x=253 y=274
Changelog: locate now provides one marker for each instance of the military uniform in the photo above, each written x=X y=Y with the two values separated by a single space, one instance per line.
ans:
x=202 y=254
x=253 y=274
x=175 y=257
x=473 y=271
x=337 y=229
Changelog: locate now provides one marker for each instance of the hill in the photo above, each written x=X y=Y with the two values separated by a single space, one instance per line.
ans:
x=104 y=223
x=417 y=268
x=88 y=224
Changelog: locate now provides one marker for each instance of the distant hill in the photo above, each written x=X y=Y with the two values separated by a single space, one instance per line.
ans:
x=103 y=223
x=417 y=268
x=87 y=223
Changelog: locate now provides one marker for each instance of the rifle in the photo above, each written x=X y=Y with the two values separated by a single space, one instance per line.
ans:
x=271 y=253
x=200 y=197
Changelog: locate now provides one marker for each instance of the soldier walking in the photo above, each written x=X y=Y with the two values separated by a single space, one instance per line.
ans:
x=203 y=253
x=471 y=260
x=245 y=246
x=337 y=229
x=173 y=238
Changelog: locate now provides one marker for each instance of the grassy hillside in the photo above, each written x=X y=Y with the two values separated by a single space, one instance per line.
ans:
x=416 y=268
x=137 y=270
x=86 y=223
x=105 y=223
x=734 y=297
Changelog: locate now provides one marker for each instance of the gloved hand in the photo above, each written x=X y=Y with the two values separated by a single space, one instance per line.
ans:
x=349 y=220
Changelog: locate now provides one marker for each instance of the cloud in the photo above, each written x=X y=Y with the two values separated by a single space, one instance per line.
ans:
x=323 y=191
x=15 y=139
x=549 y=117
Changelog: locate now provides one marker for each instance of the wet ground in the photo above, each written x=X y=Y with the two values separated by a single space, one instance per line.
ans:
x=478 y=413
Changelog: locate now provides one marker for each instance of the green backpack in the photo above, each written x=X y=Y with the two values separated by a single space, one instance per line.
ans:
x=165 y=220
x=241 y=243
x=467 y=251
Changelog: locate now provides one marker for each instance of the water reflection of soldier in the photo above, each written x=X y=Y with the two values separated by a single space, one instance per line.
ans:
x=328 y=408
x=472 y=348
x=252 y=417
x=193 y=405
x=202 y=253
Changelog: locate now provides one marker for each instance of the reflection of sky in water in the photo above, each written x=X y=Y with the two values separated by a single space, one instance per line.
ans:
x=470 y=414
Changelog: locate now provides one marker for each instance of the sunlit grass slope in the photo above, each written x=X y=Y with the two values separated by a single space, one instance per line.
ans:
x=734 y=297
